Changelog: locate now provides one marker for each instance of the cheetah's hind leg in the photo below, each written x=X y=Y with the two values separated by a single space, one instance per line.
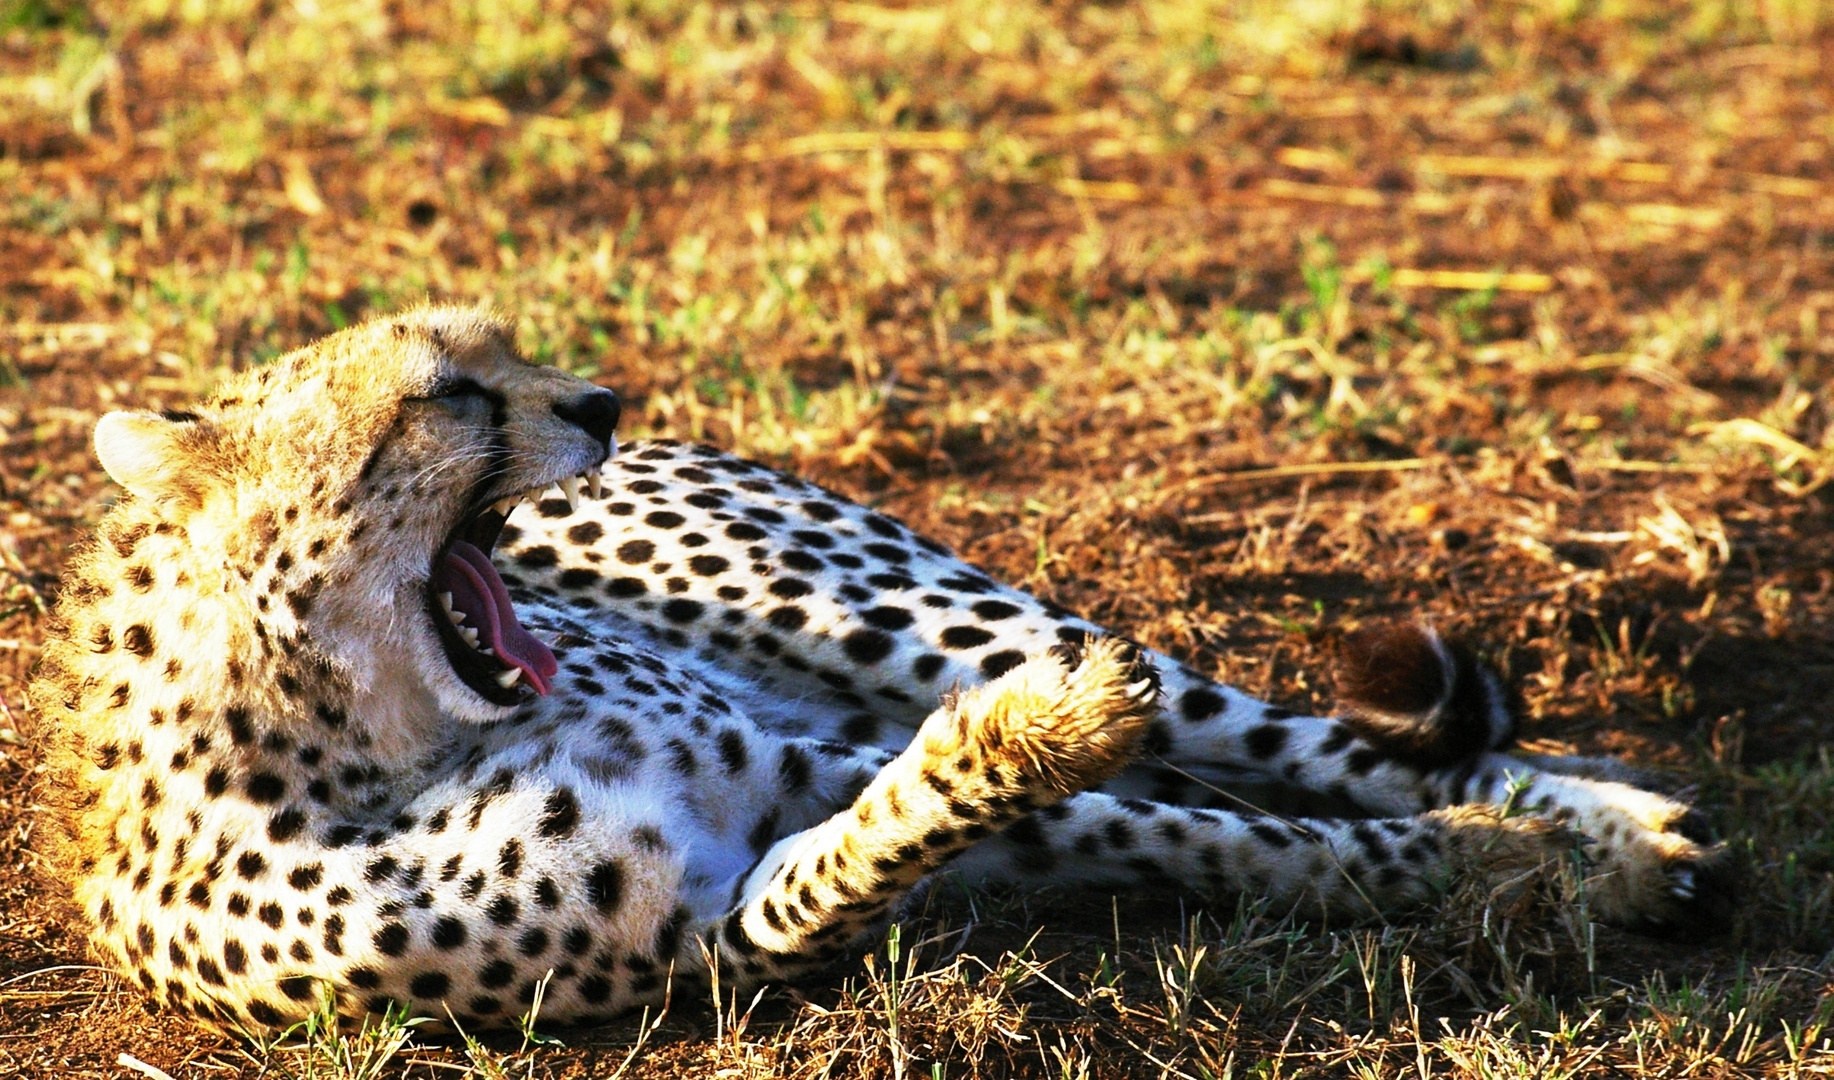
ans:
x=1061 y=721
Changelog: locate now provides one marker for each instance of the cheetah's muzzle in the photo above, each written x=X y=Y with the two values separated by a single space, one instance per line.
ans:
x=469 y=604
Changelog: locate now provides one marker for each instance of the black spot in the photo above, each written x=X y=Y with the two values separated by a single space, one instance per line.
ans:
x=448 y=933
x=636 y=552
x=708 y=565
x=533 y=942
x=392 y=939
x=1265 y=740
x=430 y=984
x=888 y=618
x=577 y=579
x=681 y=610
x=509 y=859
x=285 y=825
x=928 y=666
x=560 y=814
x=138 y=639
x=605 y=886
x=967 y=581
x=744 y=530
x=1271 y=835
x=732 y=750
x=625 y=587
x=890 y=553
x=787 y=617
x=965 y=637
x=235 y=718
x=798 y=559
x=867 y=646
x=586 y=532
x=793 y=768
x=994 y=610
x=503 y=910
x=266 y=788
x=663 y=519
x=1201 y=703
x=262 y=1012
x=790 y=588
x=307 y=877
x=994 y=665
x=537 y=558
x=298 y=988
x=497 y=974
x=594 y=989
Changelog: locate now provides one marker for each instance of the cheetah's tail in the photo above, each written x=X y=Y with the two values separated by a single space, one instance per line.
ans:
x=1426 y=700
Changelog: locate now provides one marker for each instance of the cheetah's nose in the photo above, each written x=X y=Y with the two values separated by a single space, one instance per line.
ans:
x=594 y=412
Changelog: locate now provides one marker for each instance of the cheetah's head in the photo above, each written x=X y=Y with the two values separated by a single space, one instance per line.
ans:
x=354 y=490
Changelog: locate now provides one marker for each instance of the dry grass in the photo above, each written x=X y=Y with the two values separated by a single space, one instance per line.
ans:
x=1233 y=324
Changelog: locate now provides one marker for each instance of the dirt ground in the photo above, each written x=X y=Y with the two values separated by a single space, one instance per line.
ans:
x=1233 y=326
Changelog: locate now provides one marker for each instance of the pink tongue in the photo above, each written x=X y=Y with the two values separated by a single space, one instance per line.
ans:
x=479 y=593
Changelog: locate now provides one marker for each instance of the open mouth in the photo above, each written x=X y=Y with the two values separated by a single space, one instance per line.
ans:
x=486 y=644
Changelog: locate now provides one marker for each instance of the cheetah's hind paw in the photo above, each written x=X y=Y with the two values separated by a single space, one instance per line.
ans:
x=1068 y=717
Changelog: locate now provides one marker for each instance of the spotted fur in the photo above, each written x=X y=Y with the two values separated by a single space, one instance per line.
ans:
x=770 y=713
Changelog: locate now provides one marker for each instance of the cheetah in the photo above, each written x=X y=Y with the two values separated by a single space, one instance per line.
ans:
x=385 y=681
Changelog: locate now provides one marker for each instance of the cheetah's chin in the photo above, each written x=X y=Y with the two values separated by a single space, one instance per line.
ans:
x=470 y=608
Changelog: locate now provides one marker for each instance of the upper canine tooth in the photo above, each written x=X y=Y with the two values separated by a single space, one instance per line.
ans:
x=569 y=486
x=445 y=601
x=508 y=678
x=595 y=482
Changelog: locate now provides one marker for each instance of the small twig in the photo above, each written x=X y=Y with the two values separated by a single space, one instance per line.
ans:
x=1646 y=467
x=50 y=970
x=129 y=1061
x=1282 y=472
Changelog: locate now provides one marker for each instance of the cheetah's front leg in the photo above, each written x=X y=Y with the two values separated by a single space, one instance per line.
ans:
x=1052 y=726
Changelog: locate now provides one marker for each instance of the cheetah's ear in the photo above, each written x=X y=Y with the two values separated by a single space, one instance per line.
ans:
x=150 y=454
